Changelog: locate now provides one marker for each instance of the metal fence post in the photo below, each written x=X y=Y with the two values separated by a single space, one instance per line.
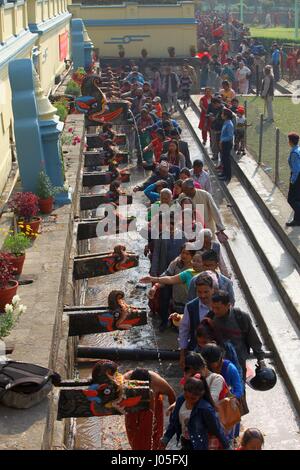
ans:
x=246 y=115
x=261 y=134
x=257 y=80
x=277 y=156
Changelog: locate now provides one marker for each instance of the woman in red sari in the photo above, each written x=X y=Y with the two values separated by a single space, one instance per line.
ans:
x=204 y=124
x=145 y=428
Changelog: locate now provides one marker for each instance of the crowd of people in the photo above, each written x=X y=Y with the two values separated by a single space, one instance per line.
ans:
x=191 y=289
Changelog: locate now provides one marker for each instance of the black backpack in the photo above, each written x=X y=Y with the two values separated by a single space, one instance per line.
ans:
x=23 y=385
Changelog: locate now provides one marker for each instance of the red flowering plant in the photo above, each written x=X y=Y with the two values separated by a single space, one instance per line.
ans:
x=25 y=205
x=6 y=269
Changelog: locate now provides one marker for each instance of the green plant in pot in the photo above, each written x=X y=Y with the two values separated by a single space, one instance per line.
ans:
x=8 y=285
x=16 y=244
x=46 y=193
x=25 y=206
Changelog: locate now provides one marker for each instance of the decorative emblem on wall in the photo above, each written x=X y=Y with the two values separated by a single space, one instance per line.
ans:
x=128 y=39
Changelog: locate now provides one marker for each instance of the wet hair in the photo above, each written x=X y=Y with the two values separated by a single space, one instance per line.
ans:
x=212 y=353
x=195 y=361
x=186 y=199
x=199 y=388
x=185 y=171
x=225 y=83
x=179 y=183
x=198 y=163
x=162 y=183
x=204 y=280
x=210 y=255
x=222 y=297
x=293 y=138
x=208 y=329
x=140 y=374
x=252 y=433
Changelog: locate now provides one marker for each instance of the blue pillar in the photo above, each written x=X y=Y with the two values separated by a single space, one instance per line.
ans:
x=50 y=132
x=88 y=57
x=27 y=132
x=78 y=55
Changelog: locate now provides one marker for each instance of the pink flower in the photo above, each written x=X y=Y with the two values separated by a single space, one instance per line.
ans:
x=70 y=129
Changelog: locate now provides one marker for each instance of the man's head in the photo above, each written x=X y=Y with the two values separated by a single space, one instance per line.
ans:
x=268 y=70
x=188 y=188
x=166 y=196
x=216 y=102
x=210 y=260
x=226 y=85
x=205 y=290
x=184 y=174
x=174 y=134
x=197 y=261
x=213 y=355
x=220 y=304
x=293 y=139
x=146 y=86
x=227 y=114
x=163 y=168
x=198 y=167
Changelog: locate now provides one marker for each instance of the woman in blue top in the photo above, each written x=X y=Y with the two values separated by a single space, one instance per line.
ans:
x=194 y=418
x=226 y=144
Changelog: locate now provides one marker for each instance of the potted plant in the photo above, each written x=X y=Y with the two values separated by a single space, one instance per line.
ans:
x=46 y=192
x=16 y=244
x=8 y=286
x=25 y=206
x=73 y=89
x=12 y=313
x=121 y=51
x=171 y=51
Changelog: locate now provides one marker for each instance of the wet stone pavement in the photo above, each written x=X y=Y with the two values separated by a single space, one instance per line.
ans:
x=272 y=412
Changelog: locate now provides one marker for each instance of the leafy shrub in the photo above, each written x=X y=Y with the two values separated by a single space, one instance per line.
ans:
x=16 y=243
x=72 y=88
x=24 y=205
x=6 y=269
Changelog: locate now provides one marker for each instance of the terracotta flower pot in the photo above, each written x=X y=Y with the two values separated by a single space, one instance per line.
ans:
x=30 y=228
x=46 y=205
x=7 y=294
x=17 y=262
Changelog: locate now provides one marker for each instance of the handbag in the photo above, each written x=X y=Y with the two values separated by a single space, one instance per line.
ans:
x=243 y=405
x=229 y=412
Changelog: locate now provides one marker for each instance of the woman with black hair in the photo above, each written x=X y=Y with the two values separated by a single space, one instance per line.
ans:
x=194 y=418
x=145 y=428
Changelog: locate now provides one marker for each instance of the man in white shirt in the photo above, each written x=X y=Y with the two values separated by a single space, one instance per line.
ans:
x=201 y=176
x=205 y=203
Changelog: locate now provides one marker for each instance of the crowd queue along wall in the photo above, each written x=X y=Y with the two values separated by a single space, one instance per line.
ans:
x=29 y=29
x=132 y=27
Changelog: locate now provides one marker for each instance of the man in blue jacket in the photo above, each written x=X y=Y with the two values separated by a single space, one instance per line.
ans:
x=276 y=62
x=294 y=189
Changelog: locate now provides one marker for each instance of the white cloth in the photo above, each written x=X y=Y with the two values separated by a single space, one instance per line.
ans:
x=241 y=76
x=184 y=417
x=215 y=384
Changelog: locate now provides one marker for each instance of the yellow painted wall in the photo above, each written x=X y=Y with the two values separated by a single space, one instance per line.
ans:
x=48 y=68
x=8 y=23
x=180 y=36
x=50 y=65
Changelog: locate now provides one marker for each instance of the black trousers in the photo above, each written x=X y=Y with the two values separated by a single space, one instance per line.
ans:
x=294 y=198
x=226 y=159
x=165 y=295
